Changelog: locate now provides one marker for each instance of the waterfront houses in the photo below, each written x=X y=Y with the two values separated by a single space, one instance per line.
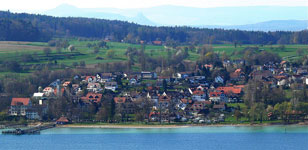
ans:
x=182 y=96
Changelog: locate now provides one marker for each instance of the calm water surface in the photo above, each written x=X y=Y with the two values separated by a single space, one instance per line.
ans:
x=192 y=138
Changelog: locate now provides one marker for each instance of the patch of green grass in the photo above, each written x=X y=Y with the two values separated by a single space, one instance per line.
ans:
x=235 y=105
x=15 y=52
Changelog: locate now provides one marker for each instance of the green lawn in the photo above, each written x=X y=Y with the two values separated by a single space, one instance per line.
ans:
x=15 y=50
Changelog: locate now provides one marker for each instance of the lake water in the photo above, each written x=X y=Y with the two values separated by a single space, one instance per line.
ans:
x=192 y=138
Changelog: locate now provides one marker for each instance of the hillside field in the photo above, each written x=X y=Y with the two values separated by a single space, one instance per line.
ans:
x=14 y=51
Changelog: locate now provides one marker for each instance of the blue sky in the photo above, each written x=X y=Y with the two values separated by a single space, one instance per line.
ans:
x=35 y=5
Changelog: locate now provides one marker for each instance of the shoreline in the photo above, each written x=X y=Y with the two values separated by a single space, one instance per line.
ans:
x=115 y=126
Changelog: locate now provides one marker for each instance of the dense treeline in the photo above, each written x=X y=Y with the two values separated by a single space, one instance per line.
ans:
x=30 y=27
x=20 y=30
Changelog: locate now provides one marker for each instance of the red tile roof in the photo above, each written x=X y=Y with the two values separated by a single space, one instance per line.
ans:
x=157 y=42
x=20 y=101
x=62 y=119
x=230 y=90
x=94 y=97
x=215 y=94
x=119 y=100
x=208 y=66
x=164 y=98
x=62 y=91
x=186 y=101
x=88 y=77
x=198 y=92
x=238 y=71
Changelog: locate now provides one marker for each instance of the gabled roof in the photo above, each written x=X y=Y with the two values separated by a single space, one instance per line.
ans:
x=62 y=119
x=215 y=94
x=20 y=101
x=66 y=83
x=61 y=91
x=88 y=77
x=229 y=90
x=238 y=71
x=208 y=66
x=119 y=100
x=48 y=89
x=186 y=101
x=164 y=97
x=157 y=42
x=198 y=92
x=220 y=106
x=94 y=97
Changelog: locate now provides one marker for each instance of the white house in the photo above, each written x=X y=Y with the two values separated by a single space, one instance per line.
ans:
x=94 y=87
x=218 y=97
x=19 y=106
x=198 y=95
x=111 y=86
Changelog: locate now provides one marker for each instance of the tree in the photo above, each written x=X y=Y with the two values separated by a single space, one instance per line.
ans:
x=52 y=43
x=299 y=52
x=27 y=58
x=75 y=64
x=165 y=85
x=71 y=48
x=282 y=110
x=59 y=50
x=89 y=45
x=96 y=50
x=237 y=115
x=13 y=66
x=110 y=53
x=47 y=51
x=82 y=63
x=102 y=44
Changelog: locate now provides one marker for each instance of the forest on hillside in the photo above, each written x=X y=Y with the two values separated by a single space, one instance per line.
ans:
x=32 y=27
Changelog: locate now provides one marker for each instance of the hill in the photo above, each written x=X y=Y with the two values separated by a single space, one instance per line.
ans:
x=45 y=27
x=274 y=25
x=263 y=18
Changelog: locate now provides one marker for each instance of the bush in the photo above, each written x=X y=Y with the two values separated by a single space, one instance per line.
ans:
x=110 y=53
x=47 y=51
x=99 y=58
x=52 y=43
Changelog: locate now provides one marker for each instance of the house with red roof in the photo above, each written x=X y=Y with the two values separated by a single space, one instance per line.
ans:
x=62 y=120
x=218 y=97
x=164 y=100
x=230 y=90
x=66 y=84
x=209 y=66
x=94 y=87
x=48 y=91
x=237 y=75
x=90 y=79
x=157 y=42
x=19 y=106
x=199 y=105
x=124 y=104
x=199 y=94
x=92 y=98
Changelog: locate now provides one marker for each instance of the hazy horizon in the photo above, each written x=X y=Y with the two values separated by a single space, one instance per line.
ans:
x=37 y=5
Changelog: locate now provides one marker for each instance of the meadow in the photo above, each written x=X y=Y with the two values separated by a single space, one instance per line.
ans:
x=15 y=51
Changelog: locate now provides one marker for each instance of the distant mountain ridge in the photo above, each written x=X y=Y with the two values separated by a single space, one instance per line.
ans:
x=66 y=10
x=261 y=18
x=274 y=25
